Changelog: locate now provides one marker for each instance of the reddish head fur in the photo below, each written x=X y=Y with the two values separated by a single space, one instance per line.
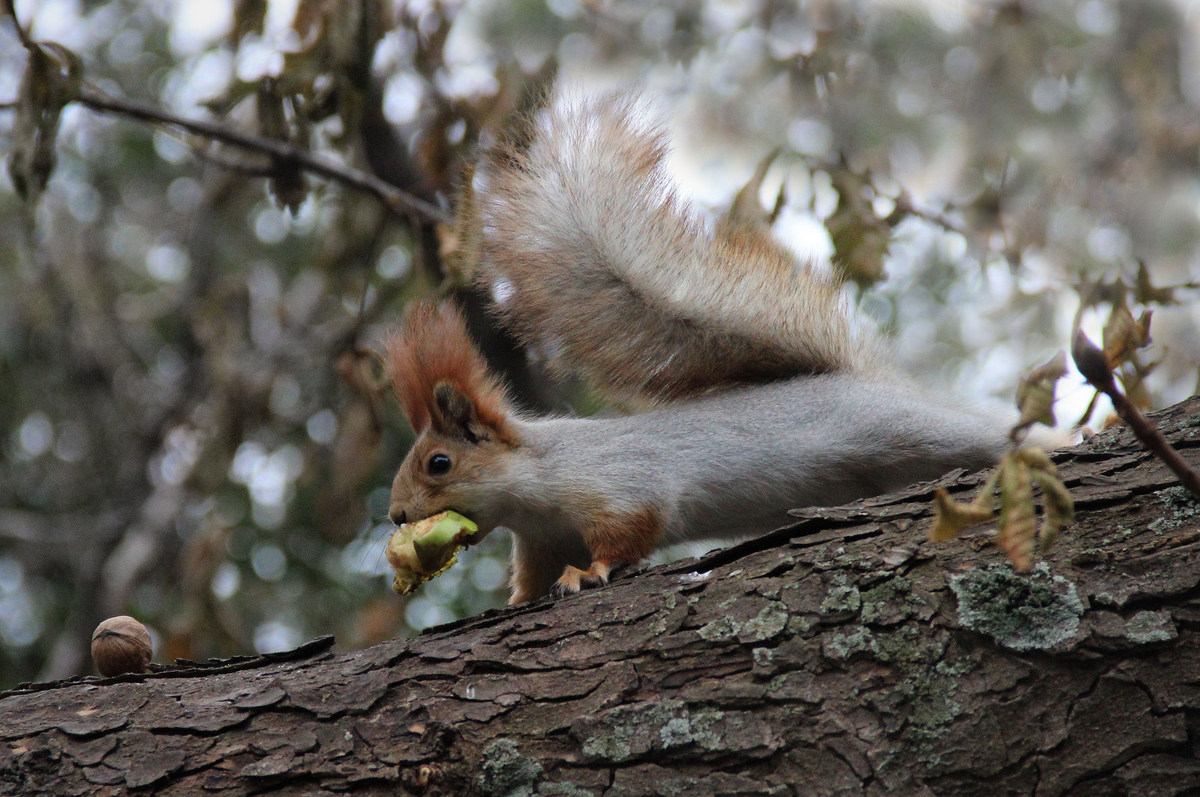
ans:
x=433 y=348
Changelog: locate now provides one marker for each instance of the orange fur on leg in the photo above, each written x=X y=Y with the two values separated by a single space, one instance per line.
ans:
x=613 y=539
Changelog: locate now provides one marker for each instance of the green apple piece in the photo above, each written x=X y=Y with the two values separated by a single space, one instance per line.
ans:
x=425 y=549
x=437 y=548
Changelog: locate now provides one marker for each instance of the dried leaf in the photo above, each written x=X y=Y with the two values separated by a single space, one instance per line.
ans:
x=1059 y=507
x=983 y=212
x=1035 y=393
x=325 y=75
x=1145 y=292
x=272 y=117
x=1092 y=294
x=951 y=517
x=238 y=91
x=1017 y=529
x=1048 y=533
x=1018 y=523
x=248 y=18
x=53 y=75
x=1036 y=403
x=860 y=238
x=860 y=243
x=1088 y=410
x=1133 y=381
x=431 y=26
x=746 y=208
x=1051 y=370
x=1123 y=335
x=287 y=185
x=1037 y=459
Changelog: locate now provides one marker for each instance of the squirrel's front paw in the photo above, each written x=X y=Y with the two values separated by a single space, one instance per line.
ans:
x=573 y=579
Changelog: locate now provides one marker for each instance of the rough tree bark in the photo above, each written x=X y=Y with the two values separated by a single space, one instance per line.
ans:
x=842 y=655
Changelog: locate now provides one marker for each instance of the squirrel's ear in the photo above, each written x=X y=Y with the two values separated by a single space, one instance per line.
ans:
x=456 y=415
x=441 y=379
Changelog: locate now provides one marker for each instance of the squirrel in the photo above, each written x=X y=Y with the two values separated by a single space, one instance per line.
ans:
x=757 y=394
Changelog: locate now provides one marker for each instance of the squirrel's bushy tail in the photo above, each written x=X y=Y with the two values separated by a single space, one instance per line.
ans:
x=596 y=263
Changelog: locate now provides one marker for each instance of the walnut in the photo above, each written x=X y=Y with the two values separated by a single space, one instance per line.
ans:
x=121 y=645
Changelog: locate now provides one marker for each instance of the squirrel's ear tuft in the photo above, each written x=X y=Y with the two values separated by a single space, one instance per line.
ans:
x=441 y=379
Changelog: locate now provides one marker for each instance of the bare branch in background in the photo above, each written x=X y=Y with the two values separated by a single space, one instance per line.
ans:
x=397 y=201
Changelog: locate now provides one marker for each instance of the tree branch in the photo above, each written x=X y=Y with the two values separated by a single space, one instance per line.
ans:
x=397 y=201
x=840 y=655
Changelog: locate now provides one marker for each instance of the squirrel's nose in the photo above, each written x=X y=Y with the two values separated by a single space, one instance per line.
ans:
x=397 y=517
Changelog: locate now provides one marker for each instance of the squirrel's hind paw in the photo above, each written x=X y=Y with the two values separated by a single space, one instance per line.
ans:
x=573 y=579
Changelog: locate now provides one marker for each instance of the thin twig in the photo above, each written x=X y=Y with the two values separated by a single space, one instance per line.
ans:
x=11 y=7
x=1094 y=366
x=397 y=201
x=1153 y=439
x=232 y=164
x=932 y=217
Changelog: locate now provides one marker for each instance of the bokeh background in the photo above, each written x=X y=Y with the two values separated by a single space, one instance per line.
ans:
x=192 y=428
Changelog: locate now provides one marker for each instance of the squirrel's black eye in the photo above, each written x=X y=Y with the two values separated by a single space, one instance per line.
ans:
x=439 y=464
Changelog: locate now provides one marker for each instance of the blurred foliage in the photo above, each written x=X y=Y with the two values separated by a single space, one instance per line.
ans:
x=1017 y=530
x=193 y=430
